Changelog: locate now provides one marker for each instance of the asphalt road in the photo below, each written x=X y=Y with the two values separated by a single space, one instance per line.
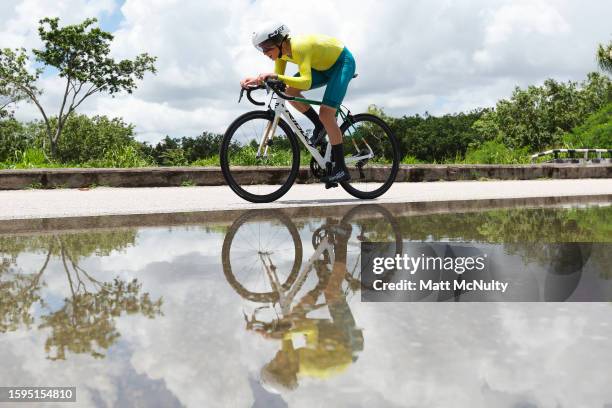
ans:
x=28 y=204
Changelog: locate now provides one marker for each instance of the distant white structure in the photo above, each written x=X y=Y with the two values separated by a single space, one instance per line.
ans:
x=573 y=158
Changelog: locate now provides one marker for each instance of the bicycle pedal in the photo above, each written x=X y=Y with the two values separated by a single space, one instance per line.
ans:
x=330 y=185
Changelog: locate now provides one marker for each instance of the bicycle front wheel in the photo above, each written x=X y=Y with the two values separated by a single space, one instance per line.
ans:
x=259 y=162
x=372 y=155
x=256 y=240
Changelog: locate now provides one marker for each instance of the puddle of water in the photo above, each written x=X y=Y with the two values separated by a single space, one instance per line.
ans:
x=264 y=310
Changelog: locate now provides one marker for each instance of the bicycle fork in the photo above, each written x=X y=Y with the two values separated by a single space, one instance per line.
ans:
x=266 y=140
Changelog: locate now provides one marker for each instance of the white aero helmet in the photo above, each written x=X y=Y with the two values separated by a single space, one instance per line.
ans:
x=272 y=32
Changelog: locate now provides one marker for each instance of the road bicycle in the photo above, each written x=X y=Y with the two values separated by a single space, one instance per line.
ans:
x=262 y=251
x=260 y=153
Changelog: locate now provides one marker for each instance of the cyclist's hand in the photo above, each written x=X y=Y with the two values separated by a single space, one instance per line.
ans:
x=268 y=75
x=250 y=82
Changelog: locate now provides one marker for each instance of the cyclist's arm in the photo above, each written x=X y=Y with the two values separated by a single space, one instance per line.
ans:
x=304 y=81
x=279 y=66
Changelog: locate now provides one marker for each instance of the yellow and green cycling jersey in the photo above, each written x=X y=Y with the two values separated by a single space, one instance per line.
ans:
x=326 y=352
x=311 y=51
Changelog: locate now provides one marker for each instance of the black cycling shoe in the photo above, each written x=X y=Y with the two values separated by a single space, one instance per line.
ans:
x=317 y=137
x=329 y=185
x=337 y=176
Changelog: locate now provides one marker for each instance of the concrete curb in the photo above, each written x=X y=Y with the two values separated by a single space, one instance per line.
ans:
x=225 y=218
x=212 y=176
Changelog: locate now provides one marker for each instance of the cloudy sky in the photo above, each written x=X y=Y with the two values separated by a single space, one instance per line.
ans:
x=441 y=56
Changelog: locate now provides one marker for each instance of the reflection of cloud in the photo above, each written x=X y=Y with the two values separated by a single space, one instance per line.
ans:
x=476 y=355
x=153 y=245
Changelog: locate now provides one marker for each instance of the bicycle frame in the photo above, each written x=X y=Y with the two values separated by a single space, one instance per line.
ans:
x=280 y=110
x=286 y=296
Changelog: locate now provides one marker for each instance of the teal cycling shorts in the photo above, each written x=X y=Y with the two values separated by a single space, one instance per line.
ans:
x=337 y=79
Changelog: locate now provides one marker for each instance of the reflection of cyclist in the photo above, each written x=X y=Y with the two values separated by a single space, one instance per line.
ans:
x=330 y=344
x=321 y=60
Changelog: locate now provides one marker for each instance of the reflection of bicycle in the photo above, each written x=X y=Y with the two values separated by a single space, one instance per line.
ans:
x=262 y=254
x=262 y=251
x=261 y=142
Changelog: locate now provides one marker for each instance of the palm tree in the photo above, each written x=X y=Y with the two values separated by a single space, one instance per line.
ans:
x=604 y=57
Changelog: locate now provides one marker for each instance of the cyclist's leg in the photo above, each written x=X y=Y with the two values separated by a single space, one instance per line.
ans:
x=318 y=80
x=341 y=74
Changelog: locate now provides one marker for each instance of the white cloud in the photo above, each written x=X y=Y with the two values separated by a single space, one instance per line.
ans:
x=412 y=57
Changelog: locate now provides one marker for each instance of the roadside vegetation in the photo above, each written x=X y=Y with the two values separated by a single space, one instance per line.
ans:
x=552 y=115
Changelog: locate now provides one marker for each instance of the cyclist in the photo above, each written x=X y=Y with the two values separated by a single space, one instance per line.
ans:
x=331 y=345
x=321 y=60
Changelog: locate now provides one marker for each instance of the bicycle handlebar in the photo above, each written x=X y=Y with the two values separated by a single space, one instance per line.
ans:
x=276 y=86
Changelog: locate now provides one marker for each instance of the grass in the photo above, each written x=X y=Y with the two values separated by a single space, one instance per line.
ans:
x=188 y=183
x=491 y=152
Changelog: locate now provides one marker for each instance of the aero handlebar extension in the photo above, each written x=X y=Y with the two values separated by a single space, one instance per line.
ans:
x=276 y=86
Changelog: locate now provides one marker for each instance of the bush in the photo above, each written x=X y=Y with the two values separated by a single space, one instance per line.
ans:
x=596 y=132
x=31 y=158
x=87 y=139
x=495 y=152
x=15 y=138
x=122 y=157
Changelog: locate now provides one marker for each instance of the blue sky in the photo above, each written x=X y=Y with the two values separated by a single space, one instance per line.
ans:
x=110 y=22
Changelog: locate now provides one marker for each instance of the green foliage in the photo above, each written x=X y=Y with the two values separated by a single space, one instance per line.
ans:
x=121 y=157
x=604 y=56
x=213 y=161
x=203 y=146
x=431 y=138
x=495 y=152
x=15 y=137
x=538 y=117
x=173 y=157
x=16 y=82
x=81 y=55
x=411 y=160
x=30 y=158
x=89 y=139
x=246 y=156
x=595 y=132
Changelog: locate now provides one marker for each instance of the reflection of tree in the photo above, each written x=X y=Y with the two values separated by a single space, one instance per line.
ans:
x=18 y=295
x=522 y=231
x=87 y=319
x=85 y=323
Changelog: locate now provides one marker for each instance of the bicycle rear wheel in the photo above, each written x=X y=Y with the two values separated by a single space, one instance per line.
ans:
x=372 y=155
x=370 y=223
x=258 y=171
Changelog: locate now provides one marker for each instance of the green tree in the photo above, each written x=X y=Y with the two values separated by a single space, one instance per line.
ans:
x=430 y=138
x=10 y=64
x=205 y=145
x=604 y=57
x=80 y=54
x=538 y=117
x=594 y=133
